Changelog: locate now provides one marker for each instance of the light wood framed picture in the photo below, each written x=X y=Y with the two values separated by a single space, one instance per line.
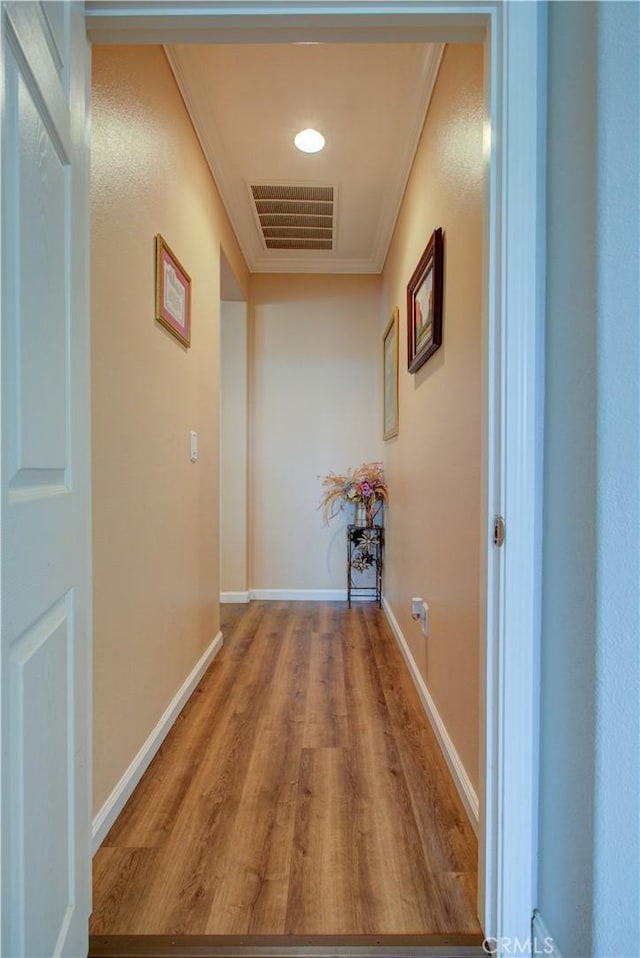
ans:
x=390 y=376
x=173 y=293
x=424 y=304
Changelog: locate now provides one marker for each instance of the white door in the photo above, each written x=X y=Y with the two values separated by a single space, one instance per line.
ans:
x=46 y=554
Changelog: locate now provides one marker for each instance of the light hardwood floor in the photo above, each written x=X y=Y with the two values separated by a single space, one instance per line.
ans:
x=300 y=792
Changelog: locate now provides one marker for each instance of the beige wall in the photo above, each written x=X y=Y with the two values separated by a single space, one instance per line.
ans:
x=433 y=465
x=156 y=522
x=315 y=407
x=233 y=450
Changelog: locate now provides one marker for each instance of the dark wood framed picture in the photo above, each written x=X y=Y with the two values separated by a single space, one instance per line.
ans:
x=173 y=293
x=424 y=304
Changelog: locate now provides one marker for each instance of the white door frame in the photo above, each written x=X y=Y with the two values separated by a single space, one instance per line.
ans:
x=515 y=36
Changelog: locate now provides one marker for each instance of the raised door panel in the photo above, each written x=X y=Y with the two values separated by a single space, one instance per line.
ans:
x=39 y=318
x=42 y=780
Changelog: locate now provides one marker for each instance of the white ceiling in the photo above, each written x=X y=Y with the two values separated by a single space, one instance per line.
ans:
x=369 y=101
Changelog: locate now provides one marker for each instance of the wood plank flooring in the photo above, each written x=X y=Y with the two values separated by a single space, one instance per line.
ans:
x=300 y=792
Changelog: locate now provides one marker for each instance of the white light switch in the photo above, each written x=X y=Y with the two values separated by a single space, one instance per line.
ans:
x=194 y=446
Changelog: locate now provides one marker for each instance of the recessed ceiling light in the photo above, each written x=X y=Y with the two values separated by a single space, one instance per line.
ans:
x=309 y=141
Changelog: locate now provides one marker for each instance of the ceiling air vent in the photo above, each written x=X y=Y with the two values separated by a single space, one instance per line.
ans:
x=295 y=217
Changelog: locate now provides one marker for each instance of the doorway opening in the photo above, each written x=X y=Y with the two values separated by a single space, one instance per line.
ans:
x=313 y=406
x=493 y=847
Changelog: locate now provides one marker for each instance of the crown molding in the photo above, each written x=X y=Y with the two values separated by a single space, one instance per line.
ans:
x=391 y=210
x=212 y=147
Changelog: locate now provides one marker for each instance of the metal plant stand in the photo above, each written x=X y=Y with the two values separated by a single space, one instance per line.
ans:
x=364 y=557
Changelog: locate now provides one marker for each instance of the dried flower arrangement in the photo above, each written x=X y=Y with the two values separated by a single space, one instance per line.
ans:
x=366 y=485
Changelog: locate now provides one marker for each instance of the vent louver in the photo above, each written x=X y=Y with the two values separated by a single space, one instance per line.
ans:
x=295 y=217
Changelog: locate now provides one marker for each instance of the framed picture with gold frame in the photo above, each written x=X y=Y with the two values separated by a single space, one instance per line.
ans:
x=390 y=376
x=173 y=293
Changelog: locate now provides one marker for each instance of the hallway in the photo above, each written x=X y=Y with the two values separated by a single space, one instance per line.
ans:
x=301 y=791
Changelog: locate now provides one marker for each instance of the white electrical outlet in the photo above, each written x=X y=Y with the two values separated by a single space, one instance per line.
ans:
x=425 y=618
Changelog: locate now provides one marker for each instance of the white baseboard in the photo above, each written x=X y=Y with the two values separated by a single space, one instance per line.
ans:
x=292 y=595
x=123 y=790
x=457 y=769
x=543 y=941
x=300 y=595
x=227 y=597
